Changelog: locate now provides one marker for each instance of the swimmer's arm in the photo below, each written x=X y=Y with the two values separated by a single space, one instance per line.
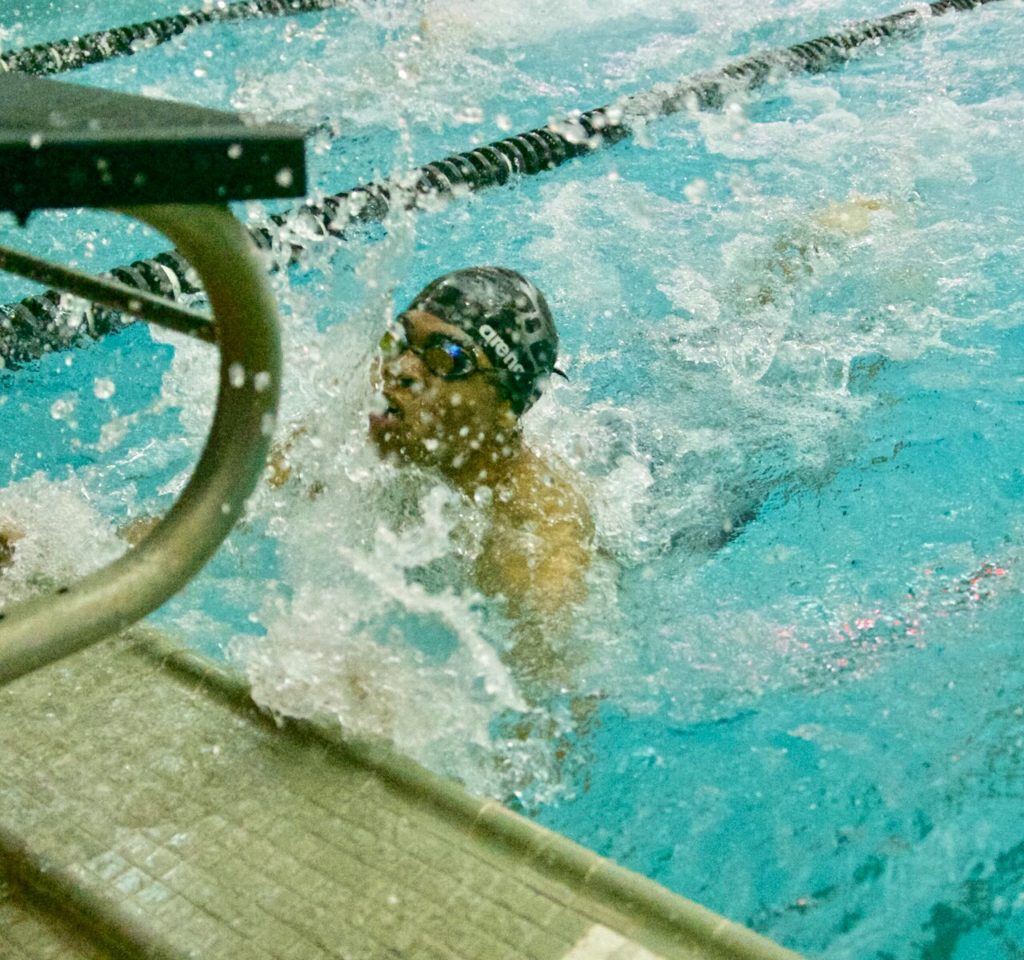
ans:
x=279 y=463
x=539 y=574
x=278 y=472
x=793 y=256
x=851 y=218
x=542 y=577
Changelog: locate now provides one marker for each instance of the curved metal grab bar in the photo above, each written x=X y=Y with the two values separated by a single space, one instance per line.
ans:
x=48 y=627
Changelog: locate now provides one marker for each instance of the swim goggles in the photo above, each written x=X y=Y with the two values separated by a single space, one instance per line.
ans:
x=444 y=357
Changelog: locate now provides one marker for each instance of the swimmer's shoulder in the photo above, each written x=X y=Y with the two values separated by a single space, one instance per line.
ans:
x=545 y=493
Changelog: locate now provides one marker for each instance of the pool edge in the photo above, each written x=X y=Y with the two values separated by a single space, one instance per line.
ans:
x=659 y=913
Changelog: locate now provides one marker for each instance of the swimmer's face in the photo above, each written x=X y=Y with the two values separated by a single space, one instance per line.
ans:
x=442 y=402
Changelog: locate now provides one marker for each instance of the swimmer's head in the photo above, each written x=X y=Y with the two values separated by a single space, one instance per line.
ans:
x=508 y=317
x=465 y=360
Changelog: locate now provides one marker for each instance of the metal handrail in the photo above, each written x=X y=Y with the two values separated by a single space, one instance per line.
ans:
x=47 y=627
x=109 y=293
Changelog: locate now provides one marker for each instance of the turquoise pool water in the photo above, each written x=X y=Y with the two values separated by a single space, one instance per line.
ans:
x=804 y=641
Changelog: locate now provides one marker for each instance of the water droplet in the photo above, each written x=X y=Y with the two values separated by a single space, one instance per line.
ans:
x=234 y=151
x=236 y=375
x=284 y=177
x=199 y=72
x=35 y=141
x=267 y=424
x=469 y=115
x=503 y=121
x=696 y=191
x=103 y=388
x=261 y=381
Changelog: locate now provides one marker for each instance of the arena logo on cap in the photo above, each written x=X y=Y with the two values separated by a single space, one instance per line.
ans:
x=493 y=339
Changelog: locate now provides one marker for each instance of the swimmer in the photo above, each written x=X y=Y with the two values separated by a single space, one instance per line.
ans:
x=461 y=366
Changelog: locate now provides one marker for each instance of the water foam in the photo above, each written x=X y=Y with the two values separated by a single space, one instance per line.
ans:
x=54 y=533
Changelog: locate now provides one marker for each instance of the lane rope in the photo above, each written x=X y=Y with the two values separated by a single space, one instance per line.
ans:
x=59 y=56
x=40 y=324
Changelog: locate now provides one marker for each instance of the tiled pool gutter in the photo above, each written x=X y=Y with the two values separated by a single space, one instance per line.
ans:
x=149 y=809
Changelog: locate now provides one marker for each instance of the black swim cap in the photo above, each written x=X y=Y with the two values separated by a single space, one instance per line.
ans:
x=508 y=316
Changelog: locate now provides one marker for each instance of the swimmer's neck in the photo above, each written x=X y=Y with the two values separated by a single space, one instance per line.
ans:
x=491 y=464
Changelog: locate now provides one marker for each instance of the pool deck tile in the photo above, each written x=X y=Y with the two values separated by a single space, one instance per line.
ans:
x=143 y=794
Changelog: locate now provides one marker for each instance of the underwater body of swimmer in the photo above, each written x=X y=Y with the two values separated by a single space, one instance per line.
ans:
x=460 y=367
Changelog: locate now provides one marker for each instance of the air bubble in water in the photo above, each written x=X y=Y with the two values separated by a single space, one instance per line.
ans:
x=284 y=177
x=469 y=115
x=61 y=409
x=103 y=388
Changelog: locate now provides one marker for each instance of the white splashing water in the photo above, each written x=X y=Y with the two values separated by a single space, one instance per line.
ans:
x=55 y=534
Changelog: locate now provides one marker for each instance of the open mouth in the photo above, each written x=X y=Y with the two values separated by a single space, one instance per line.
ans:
x=387 y=419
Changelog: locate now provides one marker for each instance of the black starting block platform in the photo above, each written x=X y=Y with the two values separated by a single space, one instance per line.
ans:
x=67 y=145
